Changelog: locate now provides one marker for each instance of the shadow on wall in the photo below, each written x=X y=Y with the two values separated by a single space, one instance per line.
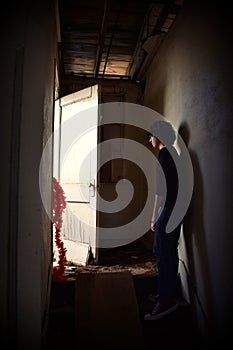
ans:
x=195 y=243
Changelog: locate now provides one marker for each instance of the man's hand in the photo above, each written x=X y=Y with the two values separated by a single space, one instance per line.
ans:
x=152 y=226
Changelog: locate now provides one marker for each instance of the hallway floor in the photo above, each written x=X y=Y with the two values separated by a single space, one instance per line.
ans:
x=176 y=330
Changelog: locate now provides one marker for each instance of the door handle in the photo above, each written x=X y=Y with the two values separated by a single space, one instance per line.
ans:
x=92 y=188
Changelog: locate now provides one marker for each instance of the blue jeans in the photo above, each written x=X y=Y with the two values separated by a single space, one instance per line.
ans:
x=165 y=249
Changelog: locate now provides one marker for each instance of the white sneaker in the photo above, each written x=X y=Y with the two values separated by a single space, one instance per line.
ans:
x=159 y=311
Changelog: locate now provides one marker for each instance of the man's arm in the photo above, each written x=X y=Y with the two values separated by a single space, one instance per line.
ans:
x=158 y=203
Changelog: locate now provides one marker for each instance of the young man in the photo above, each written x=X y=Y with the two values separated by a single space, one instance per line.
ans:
x=165 y=247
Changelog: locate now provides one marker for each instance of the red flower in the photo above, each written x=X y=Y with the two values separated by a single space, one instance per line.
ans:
x=59 y=205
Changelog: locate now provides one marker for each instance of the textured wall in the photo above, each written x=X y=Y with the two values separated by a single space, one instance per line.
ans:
x=190 y=83
x=28 y=82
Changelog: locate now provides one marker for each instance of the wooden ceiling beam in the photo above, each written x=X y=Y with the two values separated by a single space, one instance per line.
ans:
x=104 y=25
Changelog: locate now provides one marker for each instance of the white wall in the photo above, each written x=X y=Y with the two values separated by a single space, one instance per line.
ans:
x=27 y=88
x=190 y=83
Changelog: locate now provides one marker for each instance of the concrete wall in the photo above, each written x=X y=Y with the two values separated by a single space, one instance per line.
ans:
x=190 y=83
x=27 y=92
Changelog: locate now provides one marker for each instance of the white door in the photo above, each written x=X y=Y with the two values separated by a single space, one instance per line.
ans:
x=75 y=167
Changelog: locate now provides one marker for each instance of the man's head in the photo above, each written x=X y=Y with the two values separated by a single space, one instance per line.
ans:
x=163 y=131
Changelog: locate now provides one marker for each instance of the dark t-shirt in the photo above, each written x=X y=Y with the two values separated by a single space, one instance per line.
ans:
x=168 y=165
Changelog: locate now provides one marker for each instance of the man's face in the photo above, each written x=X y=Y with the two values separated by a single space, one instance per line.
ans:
x=154 y=141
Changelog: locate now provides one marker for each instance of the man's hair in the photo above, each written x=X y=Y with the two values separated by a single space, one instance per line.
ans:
x=163 y=131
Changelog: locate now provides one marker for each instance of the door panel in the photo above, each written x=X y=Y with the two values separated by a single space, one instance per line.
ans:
x=76 y=168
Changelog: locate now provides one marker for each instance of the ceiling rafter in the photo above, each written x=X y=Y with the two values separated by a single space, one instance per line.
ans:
x=104 y=39
x=102 y=34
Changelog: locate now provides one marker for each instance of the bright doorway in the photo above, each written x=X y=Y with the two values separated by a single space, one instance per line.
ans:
x=75 y=167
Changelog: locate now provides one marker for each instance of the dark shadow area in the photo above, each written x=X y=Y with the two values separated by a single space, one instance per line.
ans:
x=128 y=254
x=174 y=330
x=194 y=235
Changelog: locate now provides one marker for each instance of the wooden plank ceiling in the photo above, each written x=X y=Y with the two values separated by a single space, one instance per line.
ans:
x=112 y=38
